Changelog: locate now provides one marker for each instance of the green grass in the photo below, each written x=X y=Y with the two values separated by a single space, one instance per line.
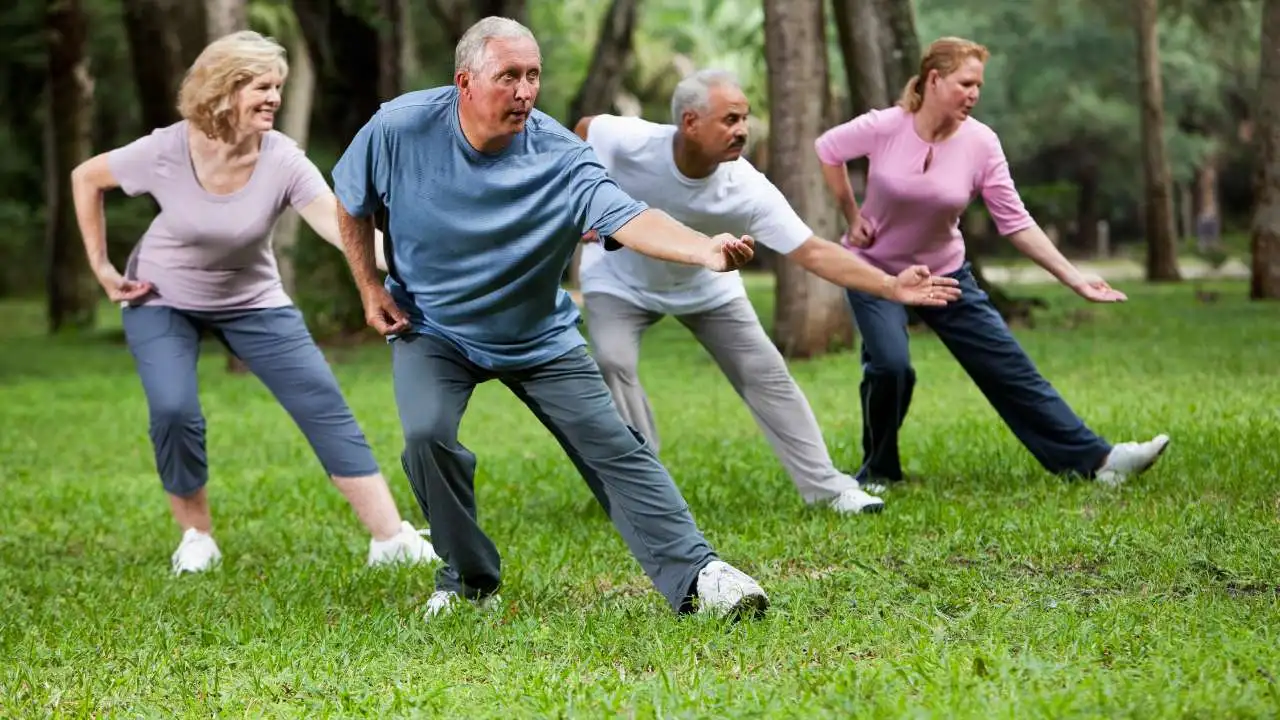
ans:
x=988 y=589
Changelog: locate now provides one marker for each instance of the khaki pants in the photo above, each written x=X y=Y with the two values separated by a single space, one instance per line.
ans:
x=732 y=334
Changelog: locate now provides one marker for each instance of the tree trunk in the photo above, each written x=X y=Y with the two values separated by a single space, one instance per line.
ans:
x=1208 y=224
x=603 y=81
x=1162 y=242
x=72 y=292
x=156 y=51
x=859 y=31
x=295 y=121
x=900 y=45
x=1265 y=280
x=1087 y=210
x=455 y=16
x=811 y=316
x=223 y=17
x=390 y=49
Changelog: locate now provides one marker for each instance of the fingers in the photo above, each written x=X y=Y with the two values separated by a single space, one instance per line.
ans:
x=591 y=236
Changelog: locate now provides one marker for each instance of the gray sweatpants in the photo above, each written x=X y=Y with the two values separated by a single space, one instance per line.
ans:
x=278 y=349
x=732 y=334
x=433 y=384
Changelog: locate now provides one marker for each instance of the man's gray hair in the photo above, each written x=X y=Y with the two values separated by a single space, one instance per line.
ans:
x=469 y=54
x=694 y=92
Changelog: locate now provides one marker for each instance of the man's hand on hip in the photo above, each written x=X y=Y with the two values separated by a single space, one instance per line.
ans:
x=382 y=313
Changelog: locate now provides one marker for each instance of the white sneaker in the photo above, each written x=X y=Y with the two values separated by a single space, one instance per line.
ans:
x=856 y=500
x=724 y=590
x=1131 y=458
x=443 y=601
x=196 y=553
x=409 y=545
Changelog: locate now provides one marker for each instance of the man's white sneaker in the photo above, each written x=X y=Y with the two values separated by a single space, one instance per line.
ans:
x=443 y=601
x=196 y=553
x=856 y=500
x=409 y=546
x=724 y=590
x=1131 y=458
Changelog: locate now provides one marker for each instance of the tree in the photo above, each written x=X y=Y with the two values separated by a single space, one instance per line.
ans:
x=604 y=79
x=455 y=16
x=1265 y=282
x=1162 y=242
x=859 y=31
x=811 y=316
x=72 y=295
x=164 y=39
x=223 y=17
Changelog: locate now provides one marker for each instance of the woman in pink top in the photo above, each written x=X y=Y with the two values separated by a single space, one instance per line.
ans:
x=928 y=160
x=222 y=176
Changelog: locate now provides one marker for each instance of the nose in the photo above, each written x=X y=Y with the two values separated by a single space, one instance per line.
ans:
x=524 y=89
x=273 y=96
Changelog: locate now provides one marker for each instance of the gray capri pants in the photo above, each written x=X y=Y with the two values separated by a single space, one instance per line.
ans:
x=277 y=347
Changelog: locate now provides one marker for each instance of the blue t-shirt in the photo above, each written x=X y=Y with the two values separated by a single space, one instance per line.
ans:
x=479 y=242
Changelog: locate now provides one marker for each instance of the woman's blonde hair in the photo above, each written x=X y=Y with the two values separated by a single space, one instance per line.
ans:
x=946 y=55
x=206 y=96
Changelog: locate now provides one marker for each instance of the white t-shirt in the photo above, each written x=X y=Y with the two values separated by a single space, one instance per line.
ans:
x=737 y=199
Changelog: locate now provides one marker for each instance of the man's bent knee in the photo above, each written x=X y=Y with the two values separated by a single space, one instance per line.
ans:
x=435 y=430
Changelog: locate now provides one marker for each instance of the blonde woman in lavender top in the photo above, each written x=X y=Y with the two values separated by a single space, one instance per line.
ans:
x=222 y=176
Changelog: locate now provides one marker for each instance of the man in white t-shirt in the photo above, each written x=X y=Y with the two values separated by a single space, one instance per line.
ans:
x=695 y=172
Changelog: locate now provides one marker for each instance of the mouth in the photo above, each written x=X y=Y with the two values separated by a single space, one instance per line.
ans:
x=265 y=113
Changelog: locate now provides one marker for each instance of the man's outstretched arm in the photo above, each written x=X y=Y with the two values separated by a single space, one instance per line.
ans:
x=914 y=286
x=658 y=235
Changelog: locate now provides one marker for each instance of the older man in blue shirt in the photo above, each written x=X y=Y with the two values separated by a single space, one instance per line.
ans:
x=485 y=200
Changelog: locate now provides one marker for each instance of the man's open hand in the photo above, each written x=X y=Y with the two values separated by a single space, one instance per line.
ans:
x=917 y=286
x=730 y=253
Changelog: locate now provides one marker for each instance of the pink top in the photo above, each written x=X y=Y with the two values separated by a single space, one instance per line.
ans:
x=915 y=214
x=206 y=251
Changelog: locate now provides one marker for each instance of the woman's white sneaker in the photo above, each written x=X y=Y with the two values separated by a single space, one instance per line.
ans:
x=196 y=553
x=408 y=546
x=1131 y=458
x=724 y=590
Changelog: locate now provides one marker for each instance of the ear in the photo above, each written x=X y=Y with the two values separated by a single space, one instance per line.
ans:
x=462 y=79
x=687 y=120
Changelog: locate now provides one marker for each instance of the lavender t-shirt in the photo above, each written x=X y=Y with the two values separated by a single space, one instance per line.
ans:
x=206 y=251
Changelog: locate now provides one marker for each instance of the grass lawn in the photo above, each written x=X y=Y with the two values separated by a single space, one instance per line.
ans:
x=987 y=589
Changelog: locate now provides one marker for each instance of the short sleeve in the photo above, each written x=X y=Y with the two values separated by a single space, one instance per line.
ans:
x=360 y=177
x=134 y=165
x=596 y=200
x=853 y=139
x=999 y=193
x=606 y=134
x=774 y=223
x=303 y=180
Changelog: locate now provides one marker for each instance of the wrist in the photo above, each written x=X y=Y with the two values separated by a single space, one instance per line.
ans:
x=888 y=286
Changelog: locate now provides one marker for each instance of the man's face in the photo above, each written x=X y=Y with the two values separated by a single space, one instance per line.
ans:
x=720 y=132
x=501 y=94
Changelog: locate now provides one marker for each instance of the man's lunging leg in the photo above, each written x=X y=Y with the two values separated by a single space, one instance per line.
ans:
x=433 y=384
x=570 y=398
x=732 y=334
x=616 y=327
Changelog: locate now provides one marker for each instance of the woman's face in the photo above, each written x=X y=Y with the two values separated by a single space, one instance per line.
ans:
x=956 y=94
x=257 y=102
